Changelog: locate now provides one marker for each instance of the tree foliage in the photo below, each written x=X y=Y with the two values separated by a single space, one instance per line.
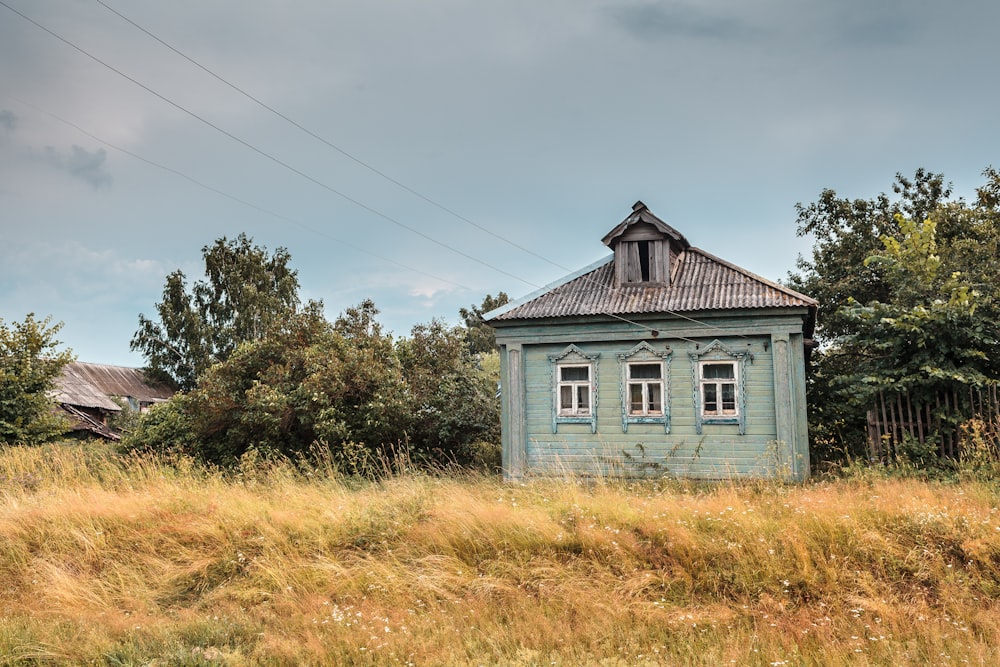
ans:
x=30 y=363
x=908 y=299
x=451 y=391
x=309 y=382
x=480 y=336
x=247 y=294
x=344 y=387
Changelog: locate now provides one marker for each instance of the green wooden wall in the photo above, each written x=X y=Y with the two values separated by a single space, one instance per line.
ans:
x=774 y=442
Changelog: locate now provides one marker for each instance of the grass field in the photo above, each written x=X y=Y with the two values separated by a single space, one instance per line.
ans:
x=138 y=561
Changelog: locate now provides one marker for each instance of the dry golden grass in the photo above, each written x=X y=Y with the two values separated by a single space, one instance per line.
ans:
x=141 y=561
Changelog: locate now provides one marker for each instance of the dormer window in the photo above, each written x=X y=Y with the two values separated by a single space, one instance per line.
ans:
x=643 y=246
x=641 y=261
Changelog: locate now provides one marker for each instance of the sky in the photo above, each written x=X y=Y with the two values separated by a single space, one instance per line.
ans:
x=425 y=154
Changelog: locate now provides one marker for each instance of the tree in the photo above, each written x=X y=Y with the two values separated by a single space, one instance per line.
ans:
x=30 y=363
x=347 y=387
x=248 y=293
x=453 y=411
x=310 y=383
x=908 y=300
x=931 y=333
x=846 y=233
x=479 y=335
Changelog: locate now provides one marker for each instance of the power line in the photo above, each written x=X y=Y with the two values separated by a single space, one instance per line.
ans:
x=269 y=156
x=330 y=144
x=230 y=196
x=279 y=216
x=314 y=180
x=368 y=166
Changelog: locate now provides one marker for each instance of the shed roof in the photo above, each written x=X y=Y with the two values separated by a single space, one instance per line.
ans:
x=92 y=386
x=699 y=281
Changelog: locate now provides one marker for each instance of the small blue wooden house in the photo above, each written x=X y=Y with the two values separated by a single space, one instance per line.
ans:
x=659 y=360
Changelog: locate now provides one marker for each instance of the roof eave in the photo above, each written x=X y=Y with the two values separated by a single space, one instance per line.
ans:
x=502 y=310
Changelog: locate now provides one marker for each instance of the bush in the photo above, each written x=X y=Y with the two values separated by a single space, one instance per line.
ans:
x=29 y=366
x=345 y=388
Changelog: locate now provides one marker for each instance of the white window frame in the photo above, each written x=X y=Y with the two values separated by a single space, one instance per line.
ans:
x=644 y=354
x=718 y=383
x=718 y=353
x=575 y=409
x=645 y=384
x=571 y=357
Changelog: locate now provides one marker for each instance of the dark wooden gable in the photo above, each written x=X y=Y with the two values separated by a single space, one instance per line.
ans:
x=644 y=248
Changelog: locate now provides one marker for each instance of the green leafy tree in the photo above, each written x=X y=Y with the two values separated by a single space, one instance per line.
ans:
x=454 y=412
x=30 y=364
x=904 y=305
x=480 y=336
x=346 y=386
x=846 y=232
x=931 y=334
x=309 y=383
x=247 y=294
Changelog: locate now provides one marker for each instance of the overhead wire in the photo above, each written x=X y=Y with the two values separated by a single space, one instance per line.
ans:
x=274 y=214
x=367 y=165
x=230 y=196
x=354 y=158
x=267 y=155
x=326 y=186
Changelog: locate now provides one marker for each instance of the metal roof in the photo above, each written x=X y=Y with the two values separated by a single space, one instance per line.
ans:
x=699 y=281
x=92 y=386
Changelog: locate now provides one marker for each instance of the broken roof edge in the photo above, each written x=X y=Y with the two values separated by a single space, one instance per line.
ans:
x=504 y=309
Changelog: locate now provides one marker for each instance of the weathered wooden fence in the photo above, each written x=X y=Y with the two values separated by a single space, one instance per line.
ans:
x=896 y=418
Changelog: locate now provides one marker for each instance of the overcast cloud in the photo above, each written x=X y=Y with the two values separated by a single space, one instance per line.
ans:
x=541 y=122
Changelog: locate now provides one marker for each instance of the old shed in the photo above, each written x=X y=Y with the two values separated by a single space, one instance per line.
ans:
x=89 y=394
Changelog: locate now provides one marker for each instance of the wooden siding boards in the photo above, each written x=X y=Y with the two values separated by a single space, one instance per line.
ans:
x=708 y=309
x=773 y=442
x=646 y=448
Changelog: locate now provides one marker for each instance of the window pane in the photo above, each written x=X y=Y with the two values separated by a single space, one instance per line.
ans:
x=644 y=371
x=728 y=398
x=583 y=399
x=565 y=398
x=711 y=400
x=571 y=373
x=655 y=404
x=714 y=371
x=635 y=398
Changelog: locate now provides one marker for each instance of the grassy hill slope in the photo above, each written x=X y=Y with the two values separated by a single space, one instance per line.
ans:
x=134 y=561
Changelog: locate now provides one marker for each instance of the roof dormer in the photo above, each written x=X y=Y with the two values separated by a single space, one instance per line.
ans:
x=643 y=246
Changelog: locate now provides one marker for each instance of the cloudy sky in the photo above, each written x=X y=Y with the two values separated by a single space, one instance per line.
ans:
x=412 y=152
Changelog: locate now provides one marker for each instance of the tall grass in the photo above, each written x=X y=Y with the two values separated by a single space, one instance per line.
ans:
x=107 y=560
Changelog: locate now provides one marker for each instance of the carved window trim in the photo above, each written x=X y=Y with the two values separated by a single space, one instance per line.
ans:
x=571 y=357
x=644 y=353
x=717 y=352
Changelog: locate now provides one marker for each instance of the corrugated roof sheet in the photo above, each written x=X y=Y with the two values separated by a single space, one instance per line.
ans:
x=699 y=281
x=91 y=386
